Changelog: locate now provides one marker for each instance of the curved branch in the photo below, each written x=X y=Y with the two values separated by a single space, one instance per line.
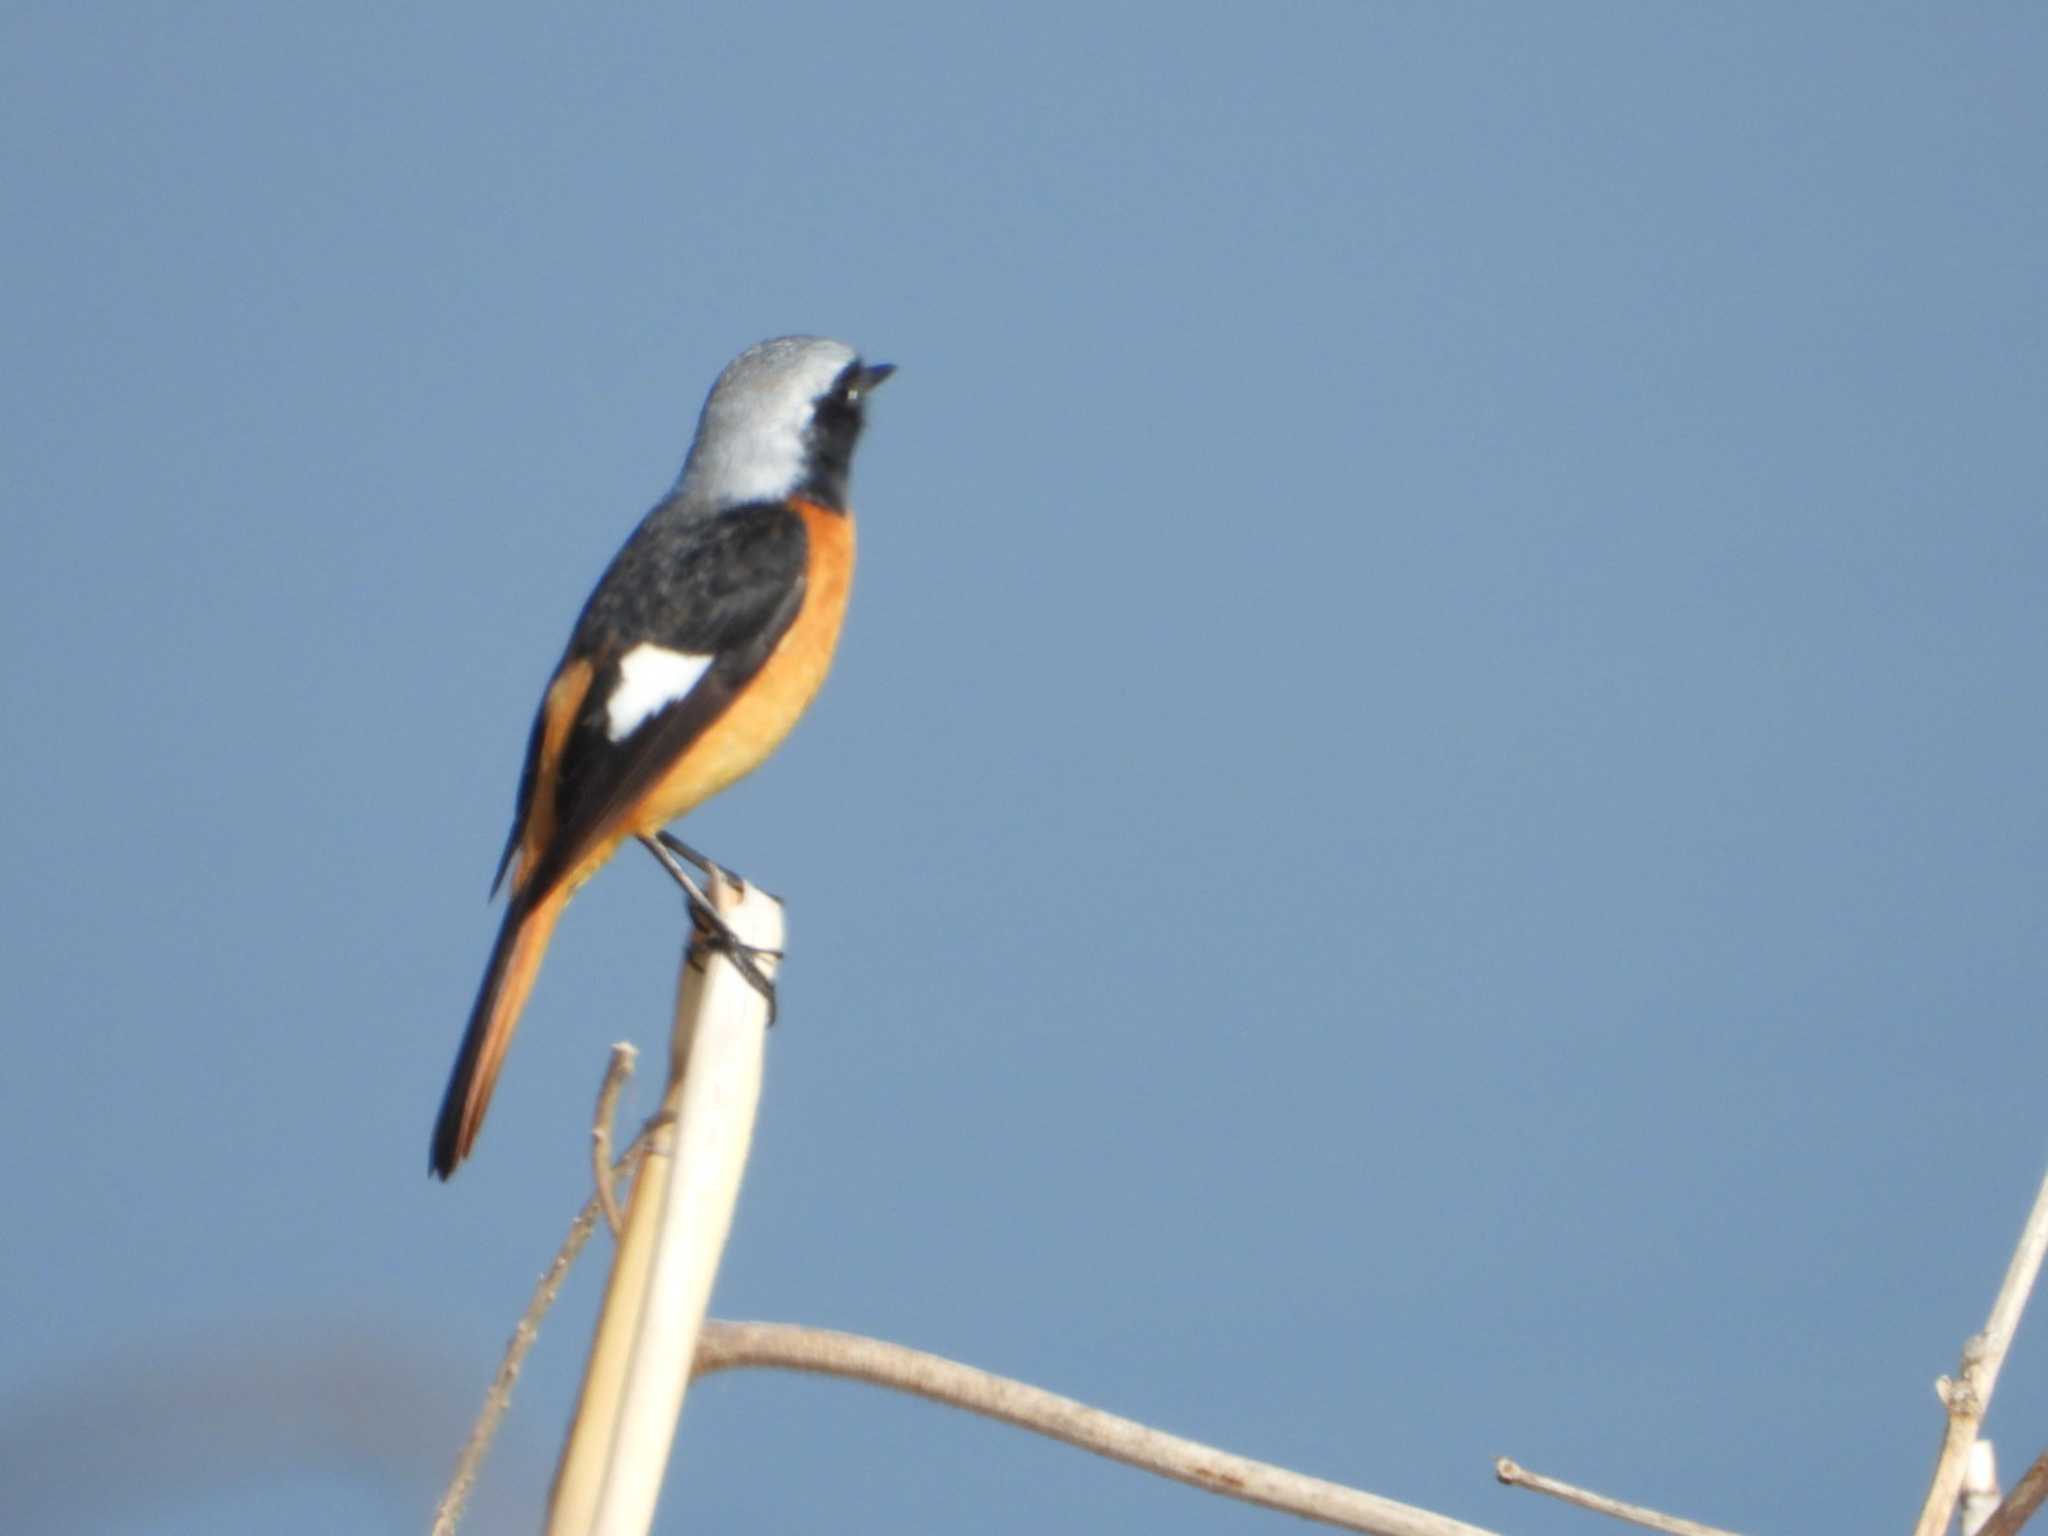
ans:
x=786 y=1346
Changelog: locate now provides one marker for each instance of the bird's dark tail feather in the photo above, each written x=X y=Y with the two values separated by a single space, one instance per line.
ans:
x=515 y=962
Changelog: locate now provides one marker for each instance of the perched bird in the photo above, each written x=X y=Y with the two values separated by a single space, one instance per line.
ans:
x=705 y=639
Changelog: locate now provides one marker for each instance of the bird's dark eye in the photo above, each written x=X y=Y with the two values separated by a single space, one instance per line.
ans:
x=843 y=398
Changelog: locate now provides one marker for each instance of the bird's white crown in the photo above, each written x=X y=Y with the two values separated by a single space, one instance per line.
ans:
x=752 y=442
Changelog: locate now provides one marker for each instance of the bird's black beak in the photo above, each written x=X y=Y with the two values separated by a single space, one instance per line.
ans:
x=869 y=377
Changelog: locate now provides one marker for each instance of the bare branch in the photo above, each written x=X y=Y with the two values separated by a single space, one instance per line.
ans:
x=450 y=1510
x=1968 y=1397
x=1517 y=1476
x=2027 y=1496
x=617 y=1070
x=723 y=1346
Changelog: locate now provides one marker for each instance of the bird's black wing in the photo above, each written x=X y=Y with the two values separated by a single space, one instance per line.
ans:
x=724 y=587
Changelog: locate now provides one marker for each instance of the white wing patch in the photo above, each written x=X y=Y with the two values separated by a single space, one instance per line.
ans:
x=651 y=677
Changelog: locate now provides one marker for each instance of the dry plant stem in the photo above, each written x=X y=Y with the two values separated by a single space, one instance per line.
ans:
x=1518 y=1476
x=617 y=1070
x=617 y=1451
x=450 y=1510
x=725 y=1345
x=1969 y=1396
x=2019 y=1506
x=1980 y=1488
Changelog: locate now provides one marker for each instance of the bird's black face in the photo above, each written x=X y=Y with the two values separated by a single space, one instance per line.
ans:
x=836 y=422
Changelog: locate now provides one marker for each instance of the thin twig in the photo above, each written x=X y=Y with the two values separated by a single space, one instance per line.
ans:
x=724 y=1345
x=1968 y=1397
x=2027 y=1496
x=450 y=1510
x=616 y=1071
x=1518 y=1476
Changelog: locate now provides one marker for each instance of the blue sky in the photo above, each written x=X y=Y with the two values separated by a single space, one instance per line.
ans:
x=1428 y=840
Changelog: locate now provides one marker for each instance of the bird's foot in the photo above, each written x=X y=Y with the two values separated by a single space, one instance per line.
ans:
x=717 y=935
x=671 y=852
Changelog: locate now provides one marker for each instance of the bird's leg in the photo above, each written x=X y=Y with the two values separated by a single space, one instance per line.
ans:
x=691 y=856
x=670 y=852
x=702 y=861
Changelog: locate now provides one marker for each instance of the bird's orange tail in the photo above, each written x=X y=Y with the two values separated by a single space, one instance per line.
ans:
x=515 y=962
